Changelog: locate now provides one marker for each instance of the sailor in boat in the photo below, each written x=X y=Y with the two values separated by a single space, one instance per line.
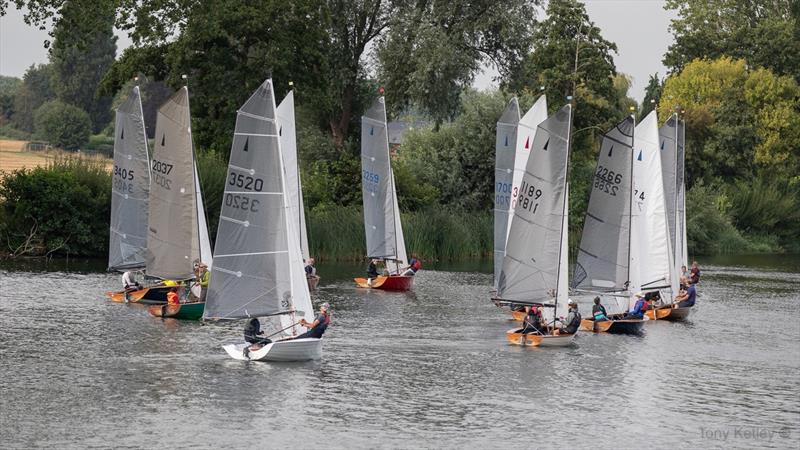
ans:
x=685 y=272
x=172 y=296
x=599 y=312
x=533 y=322
x=573 y=321
x=311 y=270
x=128 y=283
x=372 y=271
x=637 y=312
x=695 y=274
x=203 y=277
x=254 y=335
x=686 y=298
x=414 y=265
x=317 y=328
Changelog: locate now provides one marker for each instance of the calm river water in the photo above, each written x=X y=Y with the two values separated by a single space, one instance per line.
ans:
x=429 y=368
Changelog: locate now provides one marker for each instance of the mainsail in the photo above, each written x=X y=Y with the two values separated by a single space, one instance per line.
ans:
x=175 y=236
x=526 y=128
x=504 y=146
x=534 y=267
x=603 y=255
x=651 y=257
x=130 y=189
x=668 y=134
x=258 y=270
x=294 y=190
x=382 y=225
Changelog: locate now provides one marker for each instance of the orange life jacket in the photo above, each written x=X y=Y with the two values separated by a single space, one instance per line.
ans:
x=172 y=298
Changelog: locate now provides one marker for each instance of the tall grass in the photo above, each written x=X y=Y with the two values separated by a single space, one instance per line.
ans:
x=337 y=233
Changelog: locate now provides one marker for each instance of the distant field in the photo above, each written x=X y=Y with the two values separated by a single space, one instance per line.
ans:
x=13 y=156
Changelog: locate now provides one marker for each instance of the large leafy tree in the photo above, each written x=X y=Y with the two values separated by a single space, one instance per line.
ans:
x=762 y=32
x=36 y=89
x=652 y=95
x=8 y=89
x=434 y=49
x=740 y=122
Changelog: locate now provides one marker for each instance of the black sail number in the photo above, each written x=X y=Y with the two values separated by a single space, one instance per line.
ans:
x=245 y=182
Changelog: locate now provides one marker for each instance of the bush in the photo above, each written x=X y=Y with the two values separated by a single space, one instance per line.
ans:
x=100 y=144
x=766 y=206
x=213 y=168
x=63 y=125
x=59 y=209
x=9 y=132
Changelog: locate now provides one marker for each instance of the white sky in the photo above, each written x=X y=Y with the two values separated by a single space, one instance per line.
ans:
x=638 y=27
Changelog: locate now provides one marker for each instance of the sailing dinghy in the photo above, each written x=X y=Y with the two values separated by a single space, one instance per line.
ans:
x=258 y=270
x=535 y=263
x=177 y=232
x=672 y=162
x=382 y=225
x=604 y=259
x=130 y=191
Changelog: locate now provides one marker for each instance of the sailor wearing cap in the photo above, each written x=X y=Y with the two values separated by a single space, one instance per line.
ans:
x=573 y=320
x=637 y=312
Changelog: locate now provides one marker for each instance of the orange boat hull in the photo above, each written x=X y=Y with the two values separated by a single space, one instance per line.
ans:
x=518 y=316
x=133 y=296
x=390 y=283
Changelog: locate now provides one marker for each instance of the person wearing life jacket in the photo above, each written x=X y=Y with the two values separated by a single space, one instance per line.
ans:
x=573 y=321
x=637 y=312
x=533 y=321
x=687 y=297
x=203 y=277
x=253 y=333
x=414 y=265
x=317 y=328
x=599 y=311
x=695 y=273
x=172 y=296
x=372 y=271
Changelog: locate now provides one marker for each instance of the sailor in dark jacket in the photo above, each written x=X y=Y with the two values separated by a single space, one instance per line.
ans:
x=573 y=321
x=253 y=333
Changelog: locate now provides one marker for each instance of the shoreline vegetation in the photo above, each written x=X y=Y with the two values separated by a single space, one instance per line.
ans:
x=738 y=94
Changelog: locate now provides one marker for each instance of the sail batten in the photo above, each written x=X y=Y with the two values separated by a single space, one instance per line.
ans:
x=130 y=187
x=382 y=224
x=535 y=257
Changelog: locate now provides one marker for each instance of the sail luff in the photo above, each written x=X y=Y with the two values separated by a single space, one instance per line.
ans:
x=682 y=245
x=288 y=138
x=130 y=187
x=505 y=144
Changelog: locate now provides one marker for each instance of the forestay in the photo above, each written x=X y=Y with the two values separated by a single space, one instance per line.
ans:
x=130 y=188
x=258 y=267
x=175 y=239
x=382 y=225
x=535 y=257
x=603 y=255
x=294 y=189
x=506 y=138
x=651 y=258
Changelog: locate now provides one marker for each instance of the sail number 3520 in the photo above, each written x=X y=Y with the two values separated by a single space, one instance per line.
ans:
x=246 y=182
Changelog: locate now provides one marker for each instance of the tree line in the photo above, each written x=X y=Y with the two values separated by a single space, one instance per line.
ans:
x=733 y=73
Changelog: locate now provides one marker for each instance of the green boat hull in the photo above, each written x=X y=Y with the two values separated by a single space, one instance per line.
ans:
x=184 y=311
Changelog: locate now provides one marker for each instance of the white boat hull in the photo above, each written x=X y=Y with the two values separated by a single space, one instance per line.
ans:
x=305 y=349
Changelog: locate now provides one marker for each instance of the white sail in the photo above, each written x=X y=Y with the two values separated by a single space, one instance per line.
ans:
x=668 y=134
x=504 y=148
x=650 y=244
x=534 y=267
x=258 y=263
x=205 y=243
x=288 y=138
x=130 y=188
x=681 y=239
x=526 y=128
x=175 y=218
x=382 y=226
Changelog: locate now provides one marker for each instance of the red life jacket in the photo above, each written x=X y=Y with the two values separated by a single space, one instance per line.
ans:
x=417 y=265
x=172 y=298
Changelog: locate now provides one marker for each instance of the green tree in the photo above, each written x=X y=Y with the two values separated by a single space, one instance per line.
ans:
x=8 y=90
x=80 y=58
x=762 y=32
x=652 y=95
x=63 y=125
x=433 y=50
x=36 y=89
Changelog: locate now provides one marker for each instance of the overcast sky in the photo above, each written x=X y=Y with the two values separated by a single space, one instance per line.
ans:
x=638 y=27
